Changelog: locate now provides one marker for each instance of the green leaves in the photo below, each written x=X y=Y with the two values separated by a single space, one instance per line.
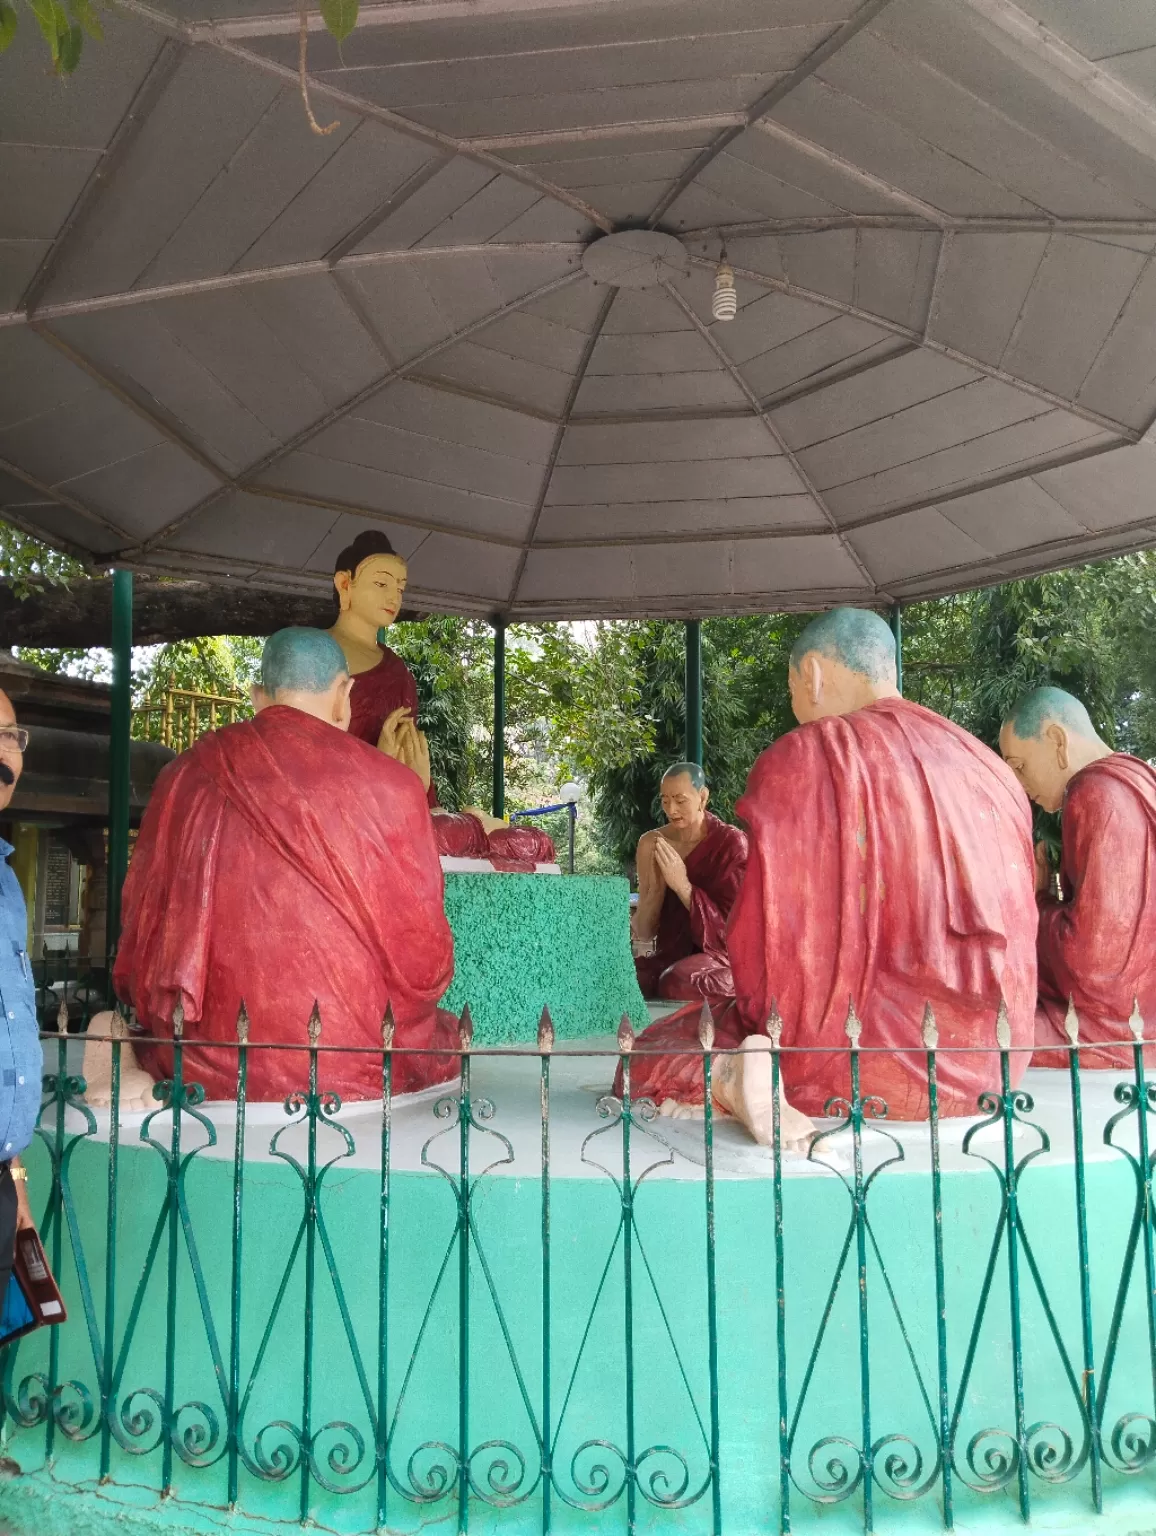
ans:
x=62 y=29
x=8 y=20
x=340 y=17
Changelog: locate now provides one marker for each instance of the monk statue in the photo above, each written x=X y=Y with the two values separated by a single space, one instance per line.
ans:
x=1096 y=946
x=369 y=579
x=689 y=873
x=890 y=867
x=282 y=861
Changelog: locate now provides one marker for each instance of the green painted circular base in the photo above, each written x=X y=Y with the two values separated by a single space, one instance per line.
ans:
x=522 y=941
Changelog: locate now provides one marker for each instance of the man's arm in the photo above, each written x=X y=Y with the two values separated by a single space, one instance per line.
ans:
x=651 y=887
x=24 y=1218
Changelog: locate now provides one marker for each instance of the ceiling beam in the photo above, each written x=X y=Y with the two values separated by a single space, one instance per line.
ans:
x=643 y=128
x=244 y=481
x=978 y=224
x=559 y=437
x=389 y=13
x=247 y=278
x=727 y=362
x=838 y=38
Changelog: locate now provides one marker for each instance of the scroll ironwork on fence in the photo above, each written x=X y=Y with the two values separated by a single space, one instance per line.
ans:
x=527 y=1293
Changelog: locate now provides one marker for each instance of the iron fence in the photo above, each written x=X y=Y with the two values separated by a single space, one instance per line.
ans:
x=555 y=1308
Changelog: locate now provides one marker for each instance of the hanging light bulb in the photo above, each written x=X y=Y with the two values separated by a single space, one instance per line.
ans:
x=724 y=304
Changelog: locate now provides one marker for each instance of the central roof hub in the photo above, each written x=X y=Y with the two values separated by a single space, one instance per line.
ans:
x=636 y=258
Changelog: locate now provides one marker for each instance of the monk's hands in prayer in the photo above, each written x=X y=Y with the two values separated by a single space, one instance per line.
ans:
x=670 y=866
x=1043 y=868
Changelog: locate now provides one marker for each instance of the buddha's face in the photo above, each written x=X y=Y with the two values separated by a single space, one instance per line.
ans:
x=374 y=591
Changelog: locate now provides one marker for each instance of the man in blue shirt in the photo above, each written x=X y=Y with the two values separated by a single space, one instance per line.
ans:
x=21 y=1058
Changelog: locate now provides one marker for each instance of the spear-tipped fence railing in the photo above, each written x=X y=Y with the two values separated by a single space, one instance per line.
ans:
x=570 y=1306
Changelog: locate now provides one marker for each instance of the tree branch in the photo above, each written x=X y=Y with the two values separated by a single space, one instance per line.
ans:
x=80 y=614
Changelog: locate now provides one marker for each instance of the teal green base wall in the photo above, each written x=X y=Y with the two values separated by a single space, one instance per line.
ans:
x=588 y=1357
x=521 y=941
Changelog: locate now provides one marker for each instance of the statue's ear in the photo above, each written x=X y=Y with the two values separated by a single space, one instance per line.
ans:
x=1057 y=738
x=813 y=676
x=342 y=581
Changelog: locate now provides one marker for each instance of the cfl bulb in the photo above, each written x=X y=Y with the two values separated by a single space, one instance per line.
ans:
x=725 y=303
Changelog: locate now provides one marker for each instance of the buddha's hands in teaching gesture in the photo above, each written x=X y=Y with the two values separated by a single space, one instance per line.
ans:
x=401 y=739
x=669 y=864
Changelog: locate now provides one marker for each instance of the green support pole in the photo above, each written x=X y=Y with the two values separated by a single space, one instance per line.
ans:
x=693 y=691
x=499 y=716
x=118 y=754
x=897 y=631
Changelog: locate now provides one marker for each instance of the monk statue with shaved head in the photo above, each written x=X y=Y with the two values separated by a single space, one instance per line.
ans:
x=282 y=862
x=1097 y=940
x=689 y=873
x=890 y=867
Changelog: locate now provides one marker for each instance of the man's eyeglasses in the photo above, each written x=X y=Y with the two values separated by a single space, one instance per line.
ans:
x=13 y=737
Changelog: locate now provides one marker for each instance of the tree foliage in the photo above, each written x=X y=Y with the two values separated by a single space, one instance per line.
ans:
x=602 y=703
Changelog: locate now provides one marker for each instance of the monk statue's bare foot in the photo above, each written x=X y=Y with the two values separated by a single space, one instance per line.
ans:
x=674 y=1109
x=743 y=1086
x=136 y=1086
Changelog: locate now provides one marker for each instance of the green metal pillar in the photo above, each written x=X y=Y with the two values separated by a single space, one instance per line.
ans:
x=118 y=755
x=693 y=691
x=897 y=631
x=499 y=716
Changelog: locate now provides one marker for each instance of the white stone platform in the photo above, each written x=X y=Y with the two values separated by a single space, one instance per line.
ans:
x=581 y=1073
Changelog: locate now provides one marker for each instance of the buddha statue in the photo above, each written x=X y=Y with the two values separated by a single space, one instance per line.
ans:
x=369 y=579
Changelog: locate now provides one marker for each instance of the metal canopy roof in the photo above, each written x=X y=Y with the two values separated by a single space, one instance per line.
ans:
x=228 y=344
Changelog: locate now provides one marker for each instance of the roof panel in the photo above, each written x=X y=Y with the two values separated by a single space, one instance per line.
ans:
x=203 y=309
x=165 y=170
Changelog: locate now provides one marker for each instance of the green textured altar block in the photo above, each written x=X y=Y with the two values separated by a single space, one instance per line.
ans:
x=522 y=942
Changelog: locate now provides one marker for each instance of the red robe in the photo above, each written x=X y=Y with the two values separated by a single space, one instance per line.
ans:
x=891 y=863
x=1098 y=946
x=281 y=861
x=690 y=959
x=389 y=686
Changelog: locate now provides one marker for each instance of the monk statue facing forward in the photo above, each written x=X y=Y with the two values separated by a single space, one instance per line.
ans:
x=689 y=873
x=282 y=861
x=1097 y=946
x=890 y=866
x=369 y=580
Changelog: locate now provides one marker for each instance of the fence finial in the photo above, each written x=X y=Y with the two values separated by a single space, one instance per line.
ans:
x=1072 y=1023
x=62 y=1015
x=387 y=1028
x=466 y=1028
x=775 y=1024
x=315 y=1024
x=853 y=1027
x=242 y=1024
x=706 y=1027
x=179 y=1020
x=1136 y=1021
x=118 y=1029
x=1002 y=1027
x=930 y=1029
x=625 y=1035
x=545 y=1033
